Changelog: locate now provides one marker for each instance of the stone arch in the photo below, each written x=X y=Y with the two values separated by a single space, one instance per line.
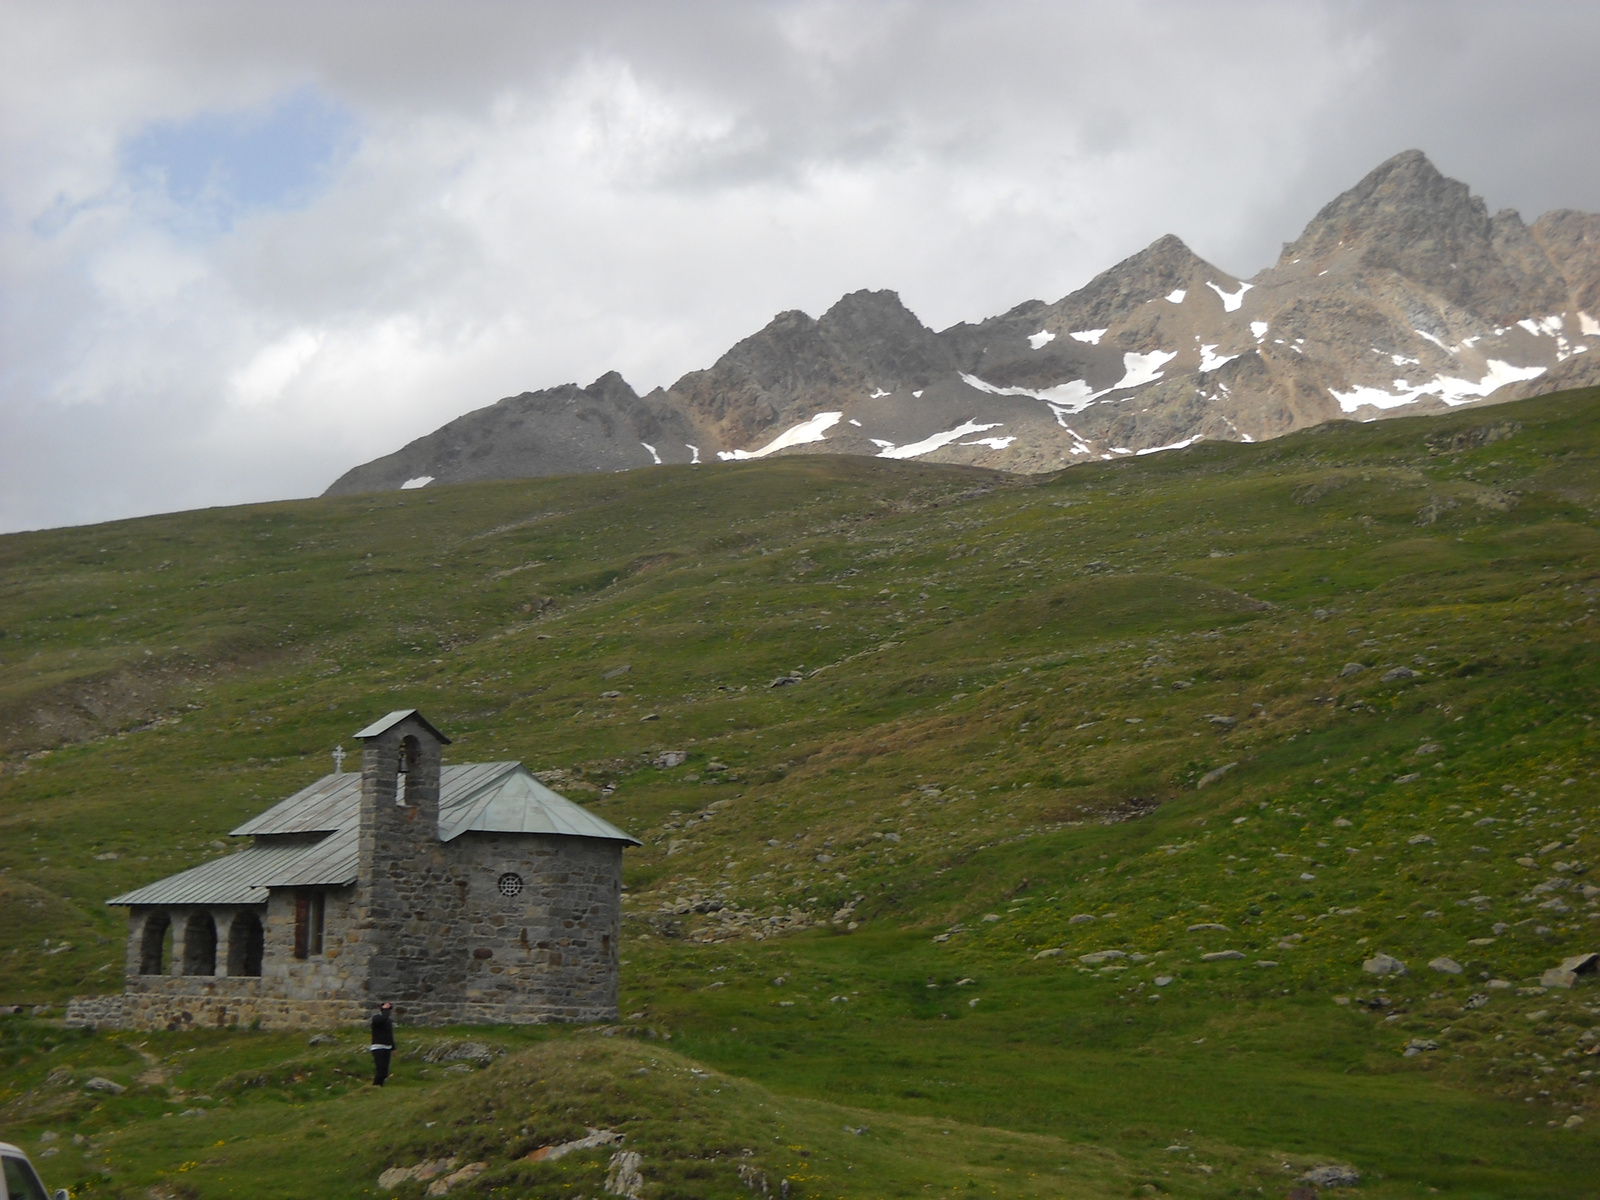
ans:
x=246 y=944
x=153 y=944
x=200 y=945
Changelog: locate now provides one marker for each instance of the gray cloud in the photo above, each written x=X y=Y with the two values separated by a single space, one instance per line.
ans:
x=530 y=194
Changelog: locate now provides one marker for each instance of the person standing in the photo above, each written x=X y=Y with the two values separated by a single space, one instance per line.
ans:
x=382 y=1042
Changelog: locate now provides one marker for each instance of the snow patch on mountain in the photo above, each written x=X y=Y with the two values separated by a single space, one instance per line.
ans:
x=1176 y=296
x=418 y=482
x=1588 y=324
x=1041 y=339
x=814 y=430
x=929 y=444
x=1258 y=329
x=1210 y=360
x=1074 y=397
x=1550 y=326
x=656 y=457
x=1091 y=336
x=1230 y=300
x=1188 y=441
x=1142 y=368
x=1451 y=390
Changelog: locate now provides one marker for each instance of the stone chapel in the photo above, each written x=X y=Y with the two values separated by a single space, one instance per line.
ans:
x=469 y=893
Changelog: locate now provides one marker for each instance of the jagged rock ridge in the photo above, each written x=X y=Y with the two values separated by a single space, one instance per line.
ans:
x=1403 y=295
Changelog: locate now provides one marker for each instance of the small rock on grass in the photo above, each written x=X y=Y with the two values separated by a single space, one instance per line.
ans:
x=624 y=1178
x=1211 y=777
x=466 y=1174
x=1333 y=1175
x=1448 y=966
x=1220 y=956
x=99 y=1084
x=1384 y=964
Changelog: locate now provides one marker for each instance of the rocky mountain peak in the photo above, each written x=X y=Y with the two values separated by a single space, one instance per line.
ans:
x=883 y=340
x=1403 y=295
x=1164 y=266
x=1406 y=217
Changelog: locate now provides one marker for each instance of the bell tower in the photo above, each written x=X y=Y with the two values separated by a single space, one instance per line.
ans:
x=405 y=902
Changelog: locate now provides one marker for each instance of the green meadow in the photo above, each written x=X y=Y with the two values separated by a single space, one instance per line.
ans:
x=1030 y=839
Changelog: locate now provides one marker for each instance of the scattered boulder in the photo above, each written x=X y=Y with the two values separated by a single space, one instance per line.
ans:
x=1418 y=839
x=1211 y=777
x=1080 y=918
x=1417 y=1045
x=1163 y=980
x=1333 y=1175
x=320 y=1039
x=623 y=1177
x=100 y=1084
x=1100 y=956
x=1582 y=964
x=1208 y=925
x=1447 y=966
x=754 y=1179
x=671 y=758
x=1395 y=673
x=422 y=1172
x=1352 y=668
x=786 y=680
x=1384 y=964
x=1048 y=953
x=1220 y=955
x=595 y=1137
x=460 y=1052
x=466 y=1174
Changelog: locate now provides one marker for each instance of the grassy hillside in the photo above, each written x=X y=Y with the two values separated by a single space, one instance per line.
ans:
x=1301 y=702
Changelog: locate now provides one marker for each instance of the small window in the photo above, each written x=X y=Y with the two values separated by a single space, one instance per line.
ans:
x=310 y=910
x=510 y=884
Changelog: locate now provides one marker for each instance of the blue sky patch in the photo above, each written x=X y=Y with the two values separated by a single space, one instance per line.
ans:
x=218 y=165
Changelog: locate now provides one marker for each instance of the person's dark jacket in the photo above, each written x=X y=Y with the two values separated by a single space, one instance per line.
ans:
x=383 y=1030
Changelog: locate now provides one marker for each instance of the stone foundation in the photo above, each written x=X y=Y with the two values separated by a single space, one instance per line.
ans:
x=206 y=1003
x=95 y=1012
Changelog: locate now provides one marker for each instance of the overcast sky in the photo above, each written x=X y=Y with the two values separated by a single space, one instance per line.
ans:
x=244 y=247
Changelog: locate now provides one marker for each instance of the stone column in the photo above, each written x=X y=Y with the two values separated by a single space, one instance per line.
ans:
x=222 y=918
x=179 y=919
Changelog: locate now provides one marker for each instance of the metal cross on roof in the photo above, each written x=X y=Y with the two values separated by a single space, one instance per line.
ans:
x=338 y=760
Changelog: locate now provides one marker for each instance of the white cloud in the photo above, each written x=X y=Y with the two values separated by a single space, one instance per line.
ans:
x=535 y=194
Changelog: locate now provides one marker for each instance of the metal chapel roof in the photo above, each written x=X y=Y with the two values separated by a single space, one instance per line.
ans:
x=309 y=840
